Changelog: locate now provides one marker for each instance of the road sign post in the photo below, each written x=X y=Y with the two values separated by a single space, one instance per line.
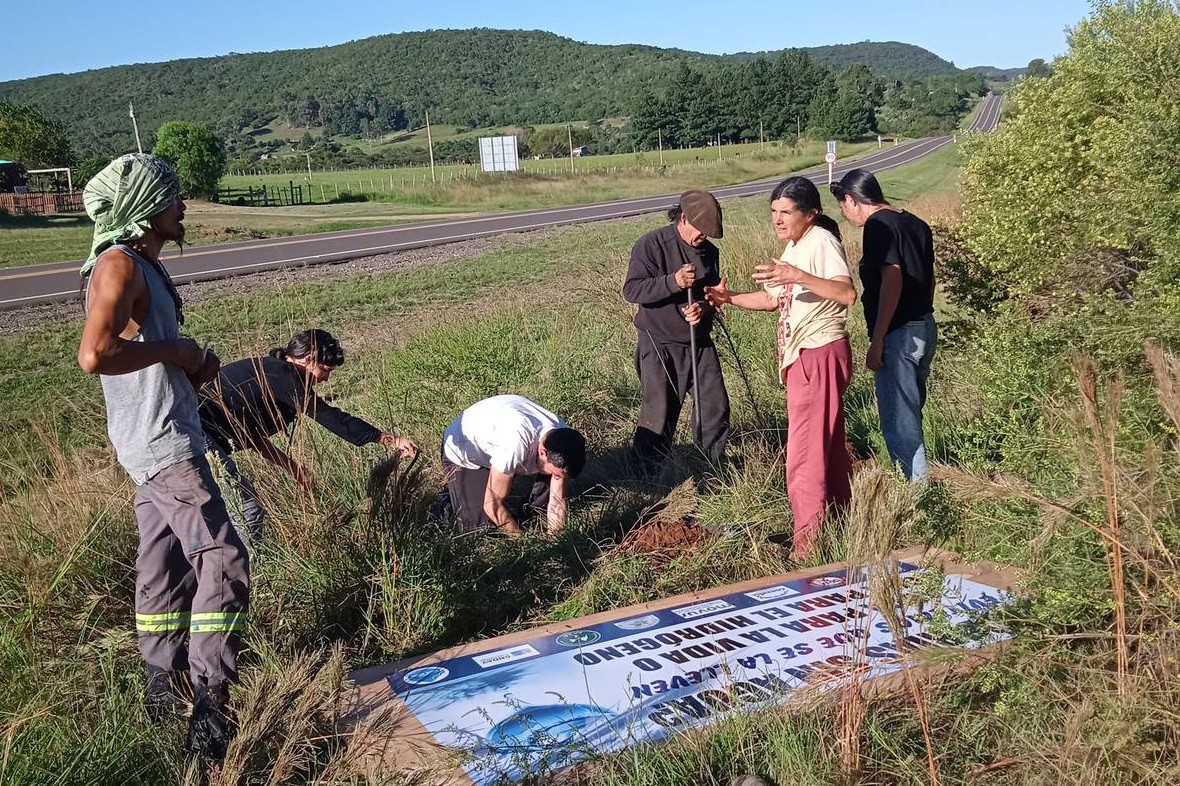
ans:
x=830 y=158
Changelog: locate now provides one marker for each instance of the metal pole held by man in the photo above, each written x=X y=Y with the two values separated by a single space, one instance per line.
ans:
x=692 y=348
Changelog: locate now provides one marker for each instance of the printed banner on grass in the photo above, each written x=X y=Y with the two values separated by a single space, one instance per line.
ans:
x=552 y=701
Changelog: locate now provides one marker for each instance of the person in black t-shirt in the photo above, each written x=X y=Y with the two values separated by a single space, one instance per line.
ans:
x=253 y=399
x=666 y=266
x=897 y=273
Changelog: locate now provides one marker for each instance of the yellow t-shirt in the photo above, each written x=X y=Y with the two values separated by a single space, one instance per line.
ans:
x=807 y=321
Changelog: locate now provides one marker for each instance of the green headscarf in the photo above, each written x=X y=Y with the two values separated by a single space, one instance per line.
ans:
x=123 y=196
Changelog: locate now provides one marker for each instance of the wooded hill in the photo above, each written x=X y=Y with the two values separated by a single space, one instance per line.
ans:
x=469 y=78
x=886 y=59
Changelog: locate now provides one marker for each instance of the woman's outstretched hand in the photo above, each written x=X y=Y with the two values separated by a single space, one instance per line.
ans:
x=777 y=274
x=403 y=446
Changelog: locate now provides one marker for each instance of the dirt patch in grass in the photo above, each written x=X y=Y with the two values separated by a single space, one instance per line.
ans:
x=664 y=541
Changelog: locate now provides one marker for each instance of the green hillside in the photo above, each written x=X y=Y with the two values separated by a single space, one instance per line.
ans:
x=999 y=74
x=467 y=78
x=891 y=59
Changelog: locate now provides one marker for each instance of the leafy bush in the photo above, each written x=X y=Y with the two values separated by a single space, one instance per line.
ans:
x=1090 y=156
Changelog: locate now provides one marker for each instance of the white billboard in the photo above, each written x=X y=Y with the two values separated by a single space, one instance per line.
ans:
x=498 y=154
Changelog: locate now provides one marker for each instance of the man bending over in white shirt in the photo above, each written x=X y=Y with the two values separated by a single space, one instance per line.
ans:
x=498 y=438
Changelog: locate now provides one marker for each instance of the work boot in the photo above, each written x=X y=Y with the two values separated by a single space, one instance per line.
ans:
x=212 y=724
x=164 y=694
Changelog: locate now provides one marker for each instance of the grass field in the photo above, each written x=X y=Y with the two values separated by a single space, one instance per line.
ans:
x=352 y=575
x=640 y=161
x=698 y=164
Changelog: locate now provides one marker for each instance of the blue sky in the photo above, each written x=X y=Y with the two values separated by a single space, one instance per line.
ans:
x=56 y=36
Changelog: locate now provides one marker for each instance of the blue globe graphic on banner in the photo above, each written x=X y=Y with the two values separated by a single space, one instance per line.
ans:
x=546 y=726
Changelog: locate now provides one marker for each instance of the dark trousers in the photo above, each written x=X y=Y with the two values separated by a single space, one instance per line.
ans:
x=466 y=488
x=665 y=378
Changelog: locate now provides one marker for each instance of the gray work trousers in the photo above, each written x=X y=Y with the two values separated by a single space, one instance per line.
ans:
x=192 y=581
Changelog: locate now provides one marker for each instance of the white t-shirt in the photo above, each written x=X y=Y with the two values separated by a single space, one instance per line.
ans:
x=502 y=433
x=809 y=321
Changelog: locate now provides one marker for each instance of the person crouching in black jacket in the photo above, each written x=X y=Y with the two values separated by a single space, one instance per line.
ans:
x=253 y=399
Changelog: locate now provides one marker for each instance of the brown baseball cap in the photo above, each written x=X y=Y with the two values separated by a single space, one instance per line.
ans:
x=702 y=211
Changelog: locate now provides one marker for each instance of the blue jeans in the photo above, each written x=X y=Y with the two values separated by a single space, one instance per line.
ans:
x=241 y=498
x=901 y=393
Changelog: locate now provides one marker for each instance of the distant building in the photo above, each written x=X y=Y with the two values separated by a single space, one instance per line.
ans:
x=14 y=178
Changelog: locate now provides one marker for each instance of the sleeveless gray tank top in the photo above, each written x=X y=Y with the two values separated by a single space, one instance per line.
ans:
x=152 y=413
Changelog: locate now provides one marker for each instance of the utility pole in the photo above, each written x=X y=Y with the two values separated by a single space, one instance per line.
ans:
x=134 y=125
x=718 y=158
x=308 y=154
x=570 y=136
x=660 y=142
x=430 y=145
x=798 y=131
x=761 y=138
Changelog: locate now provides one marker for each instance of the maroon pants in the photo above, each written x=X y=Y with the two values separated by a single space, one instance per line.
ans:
x=819 y=469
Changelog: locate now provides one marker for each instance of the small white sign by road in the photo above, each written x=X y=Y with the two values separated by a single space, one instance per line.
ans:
x=830 y=158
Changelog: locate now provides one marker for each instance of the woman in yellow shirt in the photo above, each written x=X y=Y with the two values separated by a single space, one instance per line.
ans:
x=810 y=287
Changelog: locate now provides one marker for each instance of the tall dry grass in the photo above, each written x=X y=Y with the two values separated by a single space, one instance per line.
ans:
x=1115 y=686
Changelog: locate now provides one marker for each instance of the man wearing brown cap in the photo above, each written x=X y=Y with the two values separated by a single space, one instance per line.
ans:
x=675 y=356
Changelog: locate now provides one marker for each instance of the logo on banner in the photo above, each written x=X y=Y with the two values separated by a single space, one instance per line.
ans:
x=500 y=657
x=827 y=581
x=701 y=609
x=639 y=623
x=578 y=638
x=427 y=675
x=773 y=593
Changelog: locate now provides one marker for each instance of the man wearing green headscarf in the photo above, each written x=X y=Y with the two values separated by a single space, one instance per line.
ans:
x=123 y=197
x=192 y=570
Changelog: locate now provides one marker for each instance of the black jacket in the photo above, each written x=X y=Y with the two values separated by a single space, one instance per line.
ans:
x=651 y=284
x=255 y=398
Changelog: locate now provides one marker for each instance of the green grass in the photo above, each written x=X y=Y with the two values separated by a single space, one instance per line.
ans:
x=937 y=173
x=706 y=164
x=28 y=240
x=353 y=575
x=63 y=237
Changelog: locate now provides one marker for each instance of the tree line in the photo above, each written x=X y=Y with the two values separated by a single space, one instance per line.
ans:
x=684 y=102
x=467 y=78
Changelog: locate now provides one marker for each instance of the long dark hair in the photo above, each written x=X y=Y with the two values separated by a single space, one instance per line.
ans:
x=862 y=186
x=317 y=343
x=805 y=195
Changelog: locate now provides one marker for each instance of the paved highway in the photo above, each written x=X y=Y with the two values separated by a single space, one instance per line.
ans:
x=59 y=281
